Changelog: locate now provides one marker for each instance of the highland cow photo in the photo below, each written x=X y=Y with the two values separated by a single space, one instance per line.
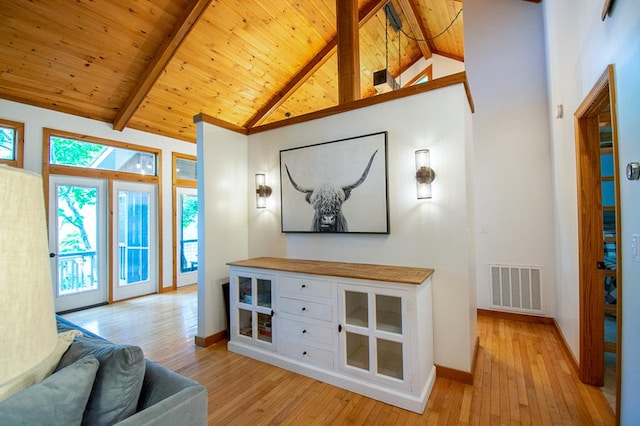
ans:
x=336 y=187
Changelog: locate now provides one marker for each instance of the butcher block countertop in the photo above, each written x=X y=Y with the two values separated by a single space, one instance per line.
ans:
x=363 y=271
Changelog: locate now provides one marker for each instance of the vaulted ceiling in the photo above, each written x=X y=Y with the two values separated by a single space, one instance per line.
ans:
x=154 y=64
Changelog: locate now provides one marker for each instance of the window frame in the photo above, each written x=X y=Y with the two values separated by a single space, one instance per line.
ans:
x=18 y=148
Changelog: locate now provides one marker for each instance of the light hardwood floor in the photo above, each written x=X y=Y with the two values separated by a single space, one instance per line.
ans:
x=522 y=375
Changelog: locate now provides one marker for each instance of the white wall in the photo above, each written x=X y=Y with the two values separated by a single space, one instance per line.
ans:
x=222 y=218
x=441 y=67
x=35 y=119
x=505 y=62
x=434 y=233
x=578 y=54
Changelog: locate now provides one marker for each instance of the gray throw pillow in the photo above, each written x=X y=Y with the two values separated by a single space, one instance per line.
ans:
x=60 y=399
x=116 y=390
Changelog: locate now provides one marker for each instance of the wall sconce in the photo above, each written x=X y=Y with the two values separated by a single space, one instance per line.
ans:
x=263 y=191
x=424 y=173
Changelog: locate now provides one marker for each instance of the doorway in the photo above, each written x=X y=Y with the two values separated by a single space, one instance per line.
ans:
x=599 y=239
x=185 y=219
x=105 y=226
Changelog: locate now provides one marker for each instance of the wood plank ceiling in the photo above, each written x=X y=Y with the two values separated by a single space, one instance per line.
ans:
x=154 y=64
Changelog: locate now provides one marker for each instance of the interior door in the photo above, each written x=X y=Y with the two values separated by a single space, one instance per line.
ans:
x=77 y=242
x=135 y=234
x=599 y=239
x=187 y=236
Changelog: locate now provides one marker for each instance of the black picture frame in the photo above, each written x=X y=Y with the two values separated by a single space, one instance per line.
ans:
x=346 y=181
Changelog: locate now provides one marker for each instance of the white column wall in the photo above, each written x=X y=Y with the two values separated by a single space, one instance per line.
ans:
x=436 y=233
x=222 y=218
x=505 y=62
x=580 y=46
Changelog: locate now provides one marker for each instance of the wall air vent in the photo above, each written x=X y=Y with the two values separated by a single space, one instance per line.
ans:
x=516 y=288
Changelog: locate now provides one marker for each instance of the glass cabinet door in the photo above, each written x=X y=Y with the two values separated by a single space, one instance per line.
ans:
x=254 y=307
x=373 y=342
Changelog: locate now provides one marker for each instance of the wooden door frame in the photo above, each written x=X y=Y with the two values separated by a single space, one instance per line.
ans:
x=590 y=231
x=175 y=184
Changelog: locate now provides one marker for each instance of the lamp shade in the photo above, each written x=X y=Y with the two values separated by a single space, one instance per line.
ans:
x=28 y=332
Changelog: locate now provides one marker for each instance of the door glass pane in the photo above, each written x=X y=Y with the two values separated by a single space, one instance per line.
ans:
x=606 y=164
x=264 y=327
x=609 y=255
x=244 y=290
x=357 y=309
x=358 y=351
x=390 y=358
x=610 y=290
x=608 y=193
x=77 y=239
x=264 y=293
x=133 y=236
x=245 y=323
x=609 y=223
x=389 y=313
x=188 y=233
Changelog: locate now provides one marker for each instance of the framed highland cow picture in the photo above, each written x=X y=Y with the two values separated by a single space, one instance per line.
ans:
x=336 y=187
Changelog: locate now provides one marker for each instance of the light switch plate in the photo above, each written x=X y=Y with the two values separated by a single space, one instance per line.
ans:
x=635 y=249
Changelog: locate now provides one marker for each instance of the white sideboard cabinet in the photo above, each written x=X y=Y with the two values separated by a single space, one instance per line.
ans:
x=365 y=328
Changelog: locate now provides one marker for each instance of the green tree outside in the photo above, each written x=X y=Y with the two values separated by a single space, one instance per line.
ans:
x=7 y=143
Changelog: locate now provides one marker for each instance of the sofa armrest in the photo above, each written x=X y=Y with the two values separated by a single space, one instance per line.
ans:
x=168 y=398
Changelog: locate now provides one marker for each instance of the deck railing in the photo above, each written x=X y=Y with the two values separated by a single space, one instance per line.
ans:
x=77 y=272
x=189 y=259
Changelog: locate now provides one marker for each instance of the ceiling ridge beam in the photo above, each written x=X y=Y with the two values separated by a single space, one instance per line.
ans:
x=166 y=52
x=366 y=13
x=417 y=27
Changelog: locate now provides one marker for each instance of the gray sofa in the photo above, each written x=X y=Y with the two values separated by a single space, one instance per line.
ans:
x=166 y=398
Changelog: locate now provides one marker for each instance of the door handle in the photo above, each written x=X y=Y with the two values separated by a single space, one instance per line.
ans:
x=601 y=265
x=52 y=255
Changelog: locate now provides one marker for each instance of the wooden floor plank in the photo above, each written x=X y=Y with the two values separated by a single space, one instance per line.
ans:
x=522 y=375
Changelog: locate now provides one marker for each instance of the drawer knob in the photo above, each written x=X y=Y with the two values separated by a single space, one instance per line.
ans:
x=304 y=353
x=304 y=308
x=304 y=331
x=304 y=286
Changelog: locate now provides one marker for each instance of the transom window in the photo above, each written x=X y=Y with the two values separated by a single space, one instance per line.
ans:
x=71 y=152
x=186 y=169
x=11 y=143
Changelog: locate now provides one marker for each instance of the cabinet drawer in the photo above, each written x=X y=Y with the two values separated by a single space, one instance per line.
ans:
x=307 y=309
x=306 y=287
x=305 y=353
x=305 y=332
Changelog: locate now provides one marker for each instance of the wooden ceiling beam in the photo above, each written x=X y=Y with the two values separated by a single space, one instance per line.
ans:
x=348 y=51
x=367 y=12
x=160 y=61
x=417 y=26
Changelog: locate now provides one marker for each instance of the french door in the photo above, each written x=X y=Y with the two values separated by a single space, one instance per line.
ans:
x=77 y=241
x=135 y=232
